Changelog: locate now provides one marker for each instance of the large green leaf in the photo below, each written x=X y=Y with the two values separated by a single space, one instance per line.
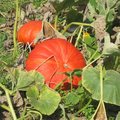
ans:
x=90 y=78
x=46 y=101
x=111 y=85
x=27 y=78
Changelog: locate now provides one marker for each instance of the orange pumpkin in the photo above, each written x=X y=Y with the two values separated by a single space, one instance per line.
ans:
x=53 y=58
x=29 y=32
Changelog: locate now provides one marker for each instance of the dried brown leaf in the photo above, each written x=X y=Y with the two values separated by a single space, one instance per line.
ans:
x=100 y=113
x=99 y=24
x=20 y=61
x=3 y=99
x=48 y=7
x=18 y=101
x=50 y=32
x=8 y=44
x=47 y=11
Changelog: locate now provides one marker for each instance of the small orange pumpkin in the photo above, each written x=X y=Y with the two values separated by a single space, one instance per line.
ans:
x=29 y=32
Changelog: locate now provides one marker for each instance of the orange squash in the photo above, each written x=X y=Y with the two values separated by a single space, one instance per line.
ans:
x=29 y=31
x=53 y=58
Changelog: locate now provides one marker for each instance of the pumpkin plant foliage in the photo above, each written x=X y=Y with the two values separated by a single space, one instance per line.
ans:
x=25 y=79
x=45 y=101
x=41 y=97
x=111 y=86
x=49 y=85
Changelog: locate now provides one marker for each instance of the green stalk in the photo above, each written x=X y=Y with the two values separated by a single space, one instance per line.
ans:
x=9 y=101
x=56 y=20
x=116 y=62
x=82 y=109
x=101 y=83
x=101 y=94
x=63 y=110
x=10 y=105
x=4 y=88
x=76 y=23
x=92 y=61
x=5 y=107
x=75 y=31
x=15 y=52
x=76 y=43
x=92 y=56
x=36 y=112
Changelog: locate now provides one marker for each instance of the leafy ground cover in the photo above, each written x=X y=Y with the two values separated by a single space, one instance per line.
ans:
x=93 y=27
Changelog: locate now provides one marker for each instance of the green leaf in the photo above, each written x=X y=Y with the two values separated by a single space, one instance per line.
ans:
x=90 y=78
x=47 y=101
x=109 y=47
x=71 y=99
x=27 y=78
x=33 y=92
x=100 y=7
x=91 y=46
x=111 y=85
x=111 y=15
x=77 y=72
x=92 y=6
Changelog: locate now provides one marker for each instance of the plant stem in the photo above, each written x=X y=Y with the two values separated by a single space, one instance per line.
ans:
x=76 y=43
x=92 y=56
x=5 y=107
x=116 y=62
x=84 y=107
x=15 y=29
x=36 y=112
x=4 y=88
x=76 y=23
x=63 y=110
x=56 y=20
x=9 y=101
x=101 y=83
x=101 y=102
x=93 y=61
x=75 y=31
x=10 y=105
